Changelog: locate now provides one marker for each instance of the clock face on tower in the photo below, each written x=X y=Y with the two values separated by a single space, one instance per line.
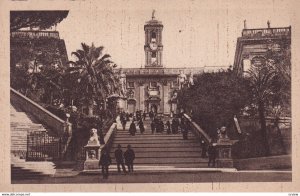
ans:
x=153 y=45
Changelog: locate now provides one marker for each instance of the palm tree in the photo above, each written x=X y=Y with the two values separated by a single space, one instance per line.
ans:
x=92 y=75
x=262 y=79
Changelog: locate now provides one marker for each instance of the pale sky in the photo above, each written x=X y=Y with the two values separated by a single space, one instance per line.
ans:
x=196 y=33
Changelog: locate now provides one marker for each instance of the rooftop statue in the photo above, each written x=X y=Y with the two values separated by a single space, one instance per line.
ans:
x=153 y=12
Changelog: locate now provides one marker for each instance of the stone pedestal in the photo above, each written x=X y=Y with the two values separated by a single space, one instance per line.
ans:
x=224 y=158
x=92 y=152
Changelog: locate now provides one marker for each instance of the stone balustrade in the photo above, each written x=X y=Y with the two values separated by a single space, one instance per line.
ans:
x=57 y=125
x=35 y=34
x=162 y=71
x=196 y=129
x=266 y=32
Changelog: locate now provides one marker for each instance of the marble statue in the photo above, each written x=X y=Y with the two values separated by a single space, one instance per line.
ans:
x=181 y=79
x=94 y=138
x=123 y=83
x=191 y=80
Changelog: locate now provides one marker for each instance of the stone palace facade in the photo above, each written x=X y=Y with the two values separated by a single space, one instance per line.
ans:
x=154 y=87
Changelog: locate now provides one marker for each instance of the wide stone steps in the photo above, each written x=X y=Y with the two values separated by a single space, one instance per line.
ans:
x=164 y=154
x=19 y=173
x=160 y=150
x=21 y=124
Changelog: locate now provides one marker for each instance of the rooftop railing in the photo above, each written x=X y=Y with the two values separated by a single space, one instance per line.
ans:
x=266 y=32
x=35 y=34
x=159 y=71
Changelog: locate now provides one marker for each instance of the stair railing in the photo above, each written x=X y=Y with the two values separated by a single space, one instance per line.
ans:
x=196 y=129
x=62 y=128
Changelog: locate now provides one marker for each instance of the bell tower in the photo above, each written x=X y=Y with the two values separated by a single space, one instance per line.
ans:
x=153 y=43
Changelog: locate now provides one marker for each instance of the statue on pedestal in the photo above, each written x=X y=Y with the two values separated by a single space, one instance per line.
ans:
x=123 y=83
x=181 y=79
x=191 y=80
x=94 y=139
x=222 y=133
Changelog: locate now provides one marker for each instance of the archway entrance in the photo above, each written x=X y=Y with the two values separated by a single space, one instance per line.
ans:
x=131 y=106
x=153 y=108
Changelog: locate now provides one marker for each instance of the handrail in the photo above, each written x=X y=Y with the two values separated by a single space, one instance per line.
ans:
x=55 y=123
x=200 y=133
x=109 y=136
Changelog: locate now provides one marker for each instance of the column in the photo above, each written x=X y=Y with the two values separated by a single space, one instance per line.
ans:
x=142 y=96
x=166 y=98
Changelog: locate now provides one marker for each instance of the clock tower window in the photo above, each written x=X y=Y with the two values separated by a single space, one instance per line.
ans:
x=153 y=37
x=153 y=55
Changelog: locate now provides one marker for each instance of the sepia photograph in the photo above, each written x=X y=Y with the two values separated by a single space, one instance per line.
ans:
x=150 y=92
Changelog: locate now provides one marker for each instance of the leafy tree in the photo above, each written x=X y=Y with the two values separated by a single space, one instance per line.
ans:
x=91 y=76
x=262 y=80
x=214 y=99
x=35 y=68
x=270 y=85
x=35 y=19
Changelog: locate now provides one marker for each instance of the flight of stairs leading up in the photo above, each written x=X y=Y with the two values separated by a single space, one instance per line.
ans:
x=160 y=151
x=21 y=124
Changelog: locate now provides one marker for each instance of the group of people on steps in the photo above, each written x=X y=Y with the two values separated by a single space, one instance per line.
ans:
x=157 y=126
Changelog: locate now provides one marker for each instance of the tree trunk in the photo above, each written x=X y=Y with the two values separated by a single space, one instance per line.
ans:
x=263 y=126
x=276 y=125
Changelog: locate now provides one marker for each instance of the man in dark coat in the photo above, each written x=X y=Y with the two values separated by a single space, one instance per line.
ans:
x=144 y=115
x=141 y=126
x=129 y=156
x=161 y=126
x=151 y=115
x=212 y=153
x=132 y=128
x=104 y=162
x=204 y=149
x=120 y=159
x=184 y=129
x=168 y=124
x=173 y=125
x=152 y=126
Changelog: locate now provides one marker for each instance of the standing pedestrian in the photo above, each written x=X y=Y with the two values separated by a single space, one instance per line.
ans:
x=123 y=124
x=144 y=115
x=132 y=128
x=129 y=156
x=173 y=126
x=152 y=126
x=141 y=126
x=184 y=129
x=168 y=124
x=104 y=162
x=120 y=159
x=212 y=153
x=204 y=149
x=151 y=115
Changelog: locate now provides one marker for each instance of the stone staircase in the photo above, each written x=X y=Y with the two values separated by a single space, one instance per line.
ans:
x=160 y=151
x=21 y=124
x=22 y=170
